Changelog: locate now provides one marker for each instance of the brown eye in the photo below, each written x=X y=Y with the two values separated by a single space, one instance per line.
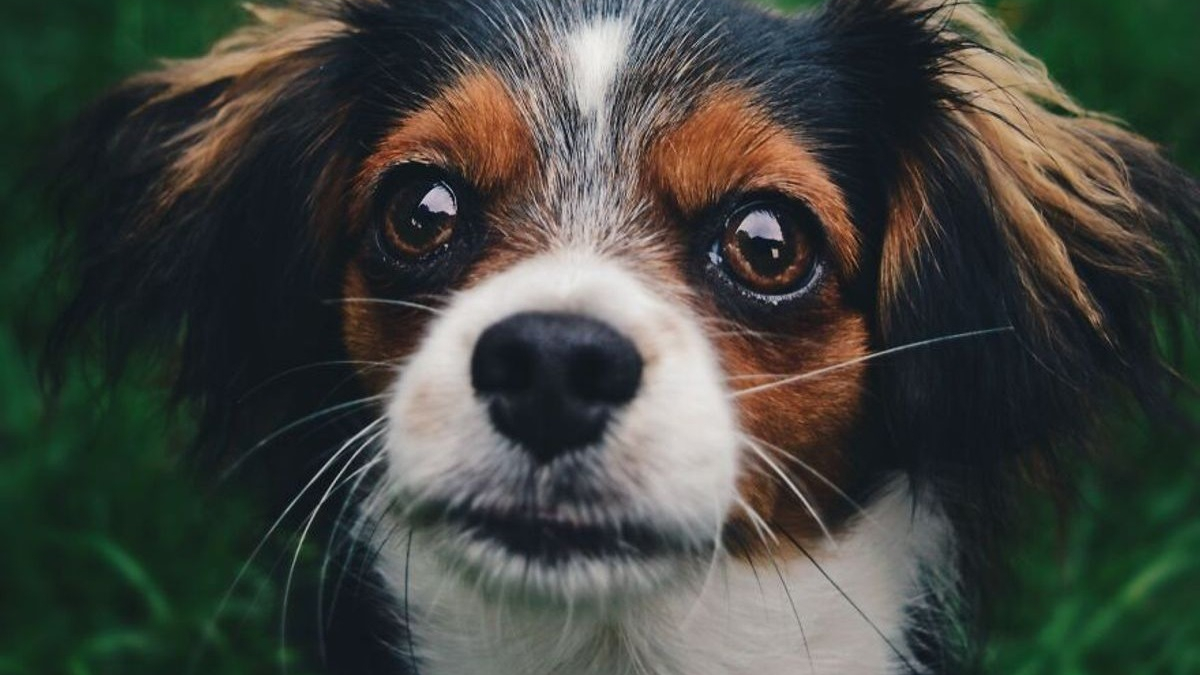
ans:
x=421 y=219
x=768 y=249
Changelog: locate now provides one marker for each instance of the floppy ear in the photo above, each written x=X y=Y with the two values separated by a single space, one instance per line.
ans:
x=197 y=195
x=1010 y=206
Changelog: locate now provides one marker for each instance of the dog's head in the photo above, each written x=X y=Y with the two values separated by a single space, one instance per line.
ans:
x=629 y=281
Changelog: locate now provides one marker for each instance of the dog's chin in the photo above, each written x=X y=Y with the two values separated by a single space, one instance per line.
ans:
x=515 y=556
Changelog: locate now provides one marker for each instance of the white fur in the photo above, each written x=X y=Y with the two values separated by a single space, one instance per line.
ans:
x=597 y=52
x=670 y=459
x=732 y=621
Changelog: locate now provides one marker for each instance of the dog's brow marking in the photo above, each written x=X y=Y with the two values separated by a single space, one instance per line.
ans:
x=597 y=52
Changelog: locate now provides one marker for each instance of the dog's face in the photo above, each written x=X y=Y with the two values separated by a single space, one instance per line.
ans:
x=637 y=284
x=610 y=259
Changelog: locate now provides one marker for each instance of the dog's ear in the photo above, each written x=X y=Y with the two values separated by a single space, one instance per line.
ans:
x=195 y=197
x=1010 y=206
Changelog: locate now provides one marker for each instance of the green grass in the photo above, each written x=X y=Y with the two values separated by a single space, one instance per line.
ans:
x=114 y=559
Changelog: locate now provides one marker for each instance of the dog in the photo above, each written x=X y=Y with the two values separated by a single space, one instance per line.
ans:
x=679 y=337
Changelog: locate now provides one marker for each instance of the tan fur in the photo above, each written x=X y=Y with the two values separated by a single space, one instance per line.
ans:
x=805 y=427
x=260 y=62
x=473 y=126
x=730 y=144
x=1052 y=168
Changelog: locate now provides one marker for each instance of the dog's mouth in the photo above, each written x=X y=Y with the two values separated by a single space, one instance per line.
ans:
x=549 y=538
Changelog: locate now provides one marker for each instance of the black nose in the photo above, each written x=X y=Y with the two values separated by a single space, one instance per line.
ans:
x=552 y=381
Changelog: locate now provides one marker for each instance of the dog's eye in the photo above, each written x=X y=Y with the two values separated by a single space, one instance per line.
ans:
x=768 y=248
x=426 y=229
x=421 y=219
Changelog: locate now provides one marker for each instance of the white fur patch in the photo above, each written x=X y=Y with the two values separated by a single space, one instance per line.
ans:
x=776 y=619
x=597 y=52
x=670 y=459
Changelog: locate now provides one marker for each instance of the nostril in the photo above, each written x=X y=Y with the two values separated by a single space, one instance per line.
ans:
x=551 y=381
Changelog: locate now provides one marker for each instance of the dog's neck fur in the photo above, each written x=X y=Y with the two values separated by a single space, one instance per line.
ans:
x=772 y=618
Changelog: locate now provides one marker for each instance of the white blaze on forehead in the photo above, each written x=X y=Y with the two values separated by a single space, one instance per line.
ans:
x=597 y=52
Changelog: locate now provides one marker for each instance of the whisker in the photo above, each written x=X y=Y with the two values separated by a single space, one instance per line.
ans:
x=793 y=487
x=353 y=534
x=760 y=524
x=389 y=302
x=717 y=327
x=746 y=333
x=225 y=599
x=355 y=480
x=762 y=530
x=709 y=573
x=796 y=613
x=364 y=531
x=854 y=605
x=871 y=357
x=408 y=633
x=370 y=561
x=789 y=457
x=758 y=376
x=745 y=551
x=312 y=517
x=341 y=407
x=366 y=365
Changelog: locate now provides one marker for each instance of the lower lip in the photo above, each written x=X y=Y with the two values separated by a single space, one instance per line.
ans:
x=551 y=541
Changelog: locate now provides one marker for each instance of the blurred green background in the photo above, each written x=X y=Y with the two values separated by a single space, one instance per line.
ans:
x=113 y=558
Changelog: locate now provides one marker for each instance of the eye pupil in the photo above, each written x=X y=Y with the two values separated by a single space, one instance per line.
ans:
x=422 y=219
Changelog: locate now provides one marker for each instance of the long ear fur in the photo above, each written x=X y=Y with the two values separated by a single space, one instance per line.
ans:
x=1014 y=207
x=196 y=194
x=1009 y=207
